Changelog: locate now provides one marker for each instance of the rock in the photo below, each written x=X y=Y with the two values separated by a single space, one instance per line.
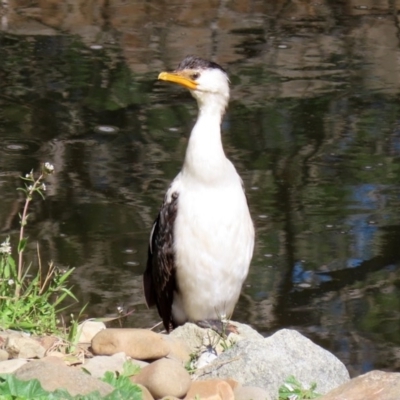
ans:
x=9 y=366
x=3 y=355
x=55 y=353
x=146 y=395
x=139 y=363
x=245 y=332
x=164 y=377
x=48 y=342
x=205 y=358
x=191 y=334
x=24 y=347
x=179 y=350
x=87 y=330
x=53 y=360
x=197 y=338
x=136 y=343
x=251 y=393
x=374 y=385
x=54 y=376
x=266 y=363
x=212 y=389
x=99 y=365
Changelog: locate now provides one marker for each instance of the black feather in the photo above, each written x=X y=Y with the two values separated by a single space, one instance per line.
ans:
x=193 y=62
x=159 y=279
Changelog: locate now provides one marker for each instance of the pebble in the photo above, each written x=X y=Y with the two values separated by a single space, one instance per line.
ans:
x=178 y=349
x=87 y=330
x=141 y=344
x=53 y=376
x=99 y=365
x=212 y=389
x=3 y=355
x=146 y=395
x=164 y=377
x=24 y=347
x=9 y=366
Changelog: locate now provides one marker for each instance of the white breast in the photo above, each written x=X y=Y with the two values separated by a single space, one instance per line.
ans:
x=214 y=239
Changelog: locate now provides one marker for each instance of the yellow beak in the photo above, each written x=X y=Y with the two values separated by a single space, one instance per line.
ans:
x=179 y=79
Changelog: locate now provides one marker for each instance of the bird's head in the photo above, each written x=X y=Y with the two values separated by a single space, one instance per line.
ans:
x=203 y=78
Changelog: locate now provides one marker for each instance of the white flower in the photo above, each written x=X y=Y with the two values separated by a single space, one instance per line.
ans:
x=43 y=186
x=30 y=187
x=49 y=168
x=5 y=247
x=11 y=282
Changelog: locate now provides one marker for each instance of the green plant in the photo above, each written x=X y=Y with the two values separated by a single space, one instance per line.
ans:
x=11 y=388
x=292 y=389
x=190 y=364
x=31 y=302
x=123 y=384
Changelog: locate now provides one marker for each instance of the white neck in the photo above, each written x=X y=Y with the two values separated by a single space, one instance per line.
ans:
x=205 y=158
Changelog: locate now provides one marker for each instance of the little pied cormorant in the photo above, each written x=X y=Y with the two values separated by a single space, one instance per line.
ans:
x=202 y=241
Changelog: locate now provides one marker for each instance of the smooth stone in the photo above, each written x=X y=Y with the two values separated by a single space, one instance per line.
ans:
x=53 y=360
x=374 y=385
x=212 y=389
x=87 y=330
x=99 y=365
x=146 y=395
x=141 y=344
x=139 y=363
x=48 y=342
x=179 y=351
x=24 y=347
x=3 y=355
x=164 y=377
x=9 y=366
x=53 y=376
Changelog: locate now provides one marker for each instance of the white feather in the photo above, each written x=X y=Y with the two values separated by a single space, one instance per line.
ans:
x=214 y=233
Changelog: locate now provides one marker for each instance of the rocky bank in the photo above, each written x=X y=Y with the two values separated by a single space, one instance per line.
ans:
x=190 y=363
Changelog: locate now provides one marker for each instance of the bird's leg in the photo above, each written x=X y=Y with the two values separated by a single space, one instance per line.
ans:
x=222 y=326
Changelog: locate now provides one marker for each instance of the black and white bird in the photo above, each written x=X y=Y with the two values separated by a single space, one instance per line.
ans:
x=202 y=241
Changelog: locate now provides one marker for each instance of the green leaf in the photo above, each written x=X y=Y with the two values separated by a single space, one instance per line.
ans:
x=22 y=245
x=10 y=385
x=130 y=369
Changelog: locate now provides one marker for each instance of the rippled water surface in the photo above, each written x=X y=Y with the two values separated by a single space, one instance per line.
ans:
x=313 y=128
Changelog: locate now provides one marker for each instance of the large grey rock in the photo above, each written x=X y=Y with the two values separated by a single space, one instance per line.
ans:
x=54 y=376
x=374 y=385
x=266 y=363
x=207 y=344
x=197 y=338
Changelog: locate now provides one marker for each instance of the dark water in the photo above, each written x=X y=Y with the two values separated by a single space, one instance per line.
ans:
x=313 y=128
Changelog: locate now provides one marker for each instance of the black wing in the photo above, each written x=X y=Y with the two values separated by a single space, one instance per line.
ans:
x=159 y=278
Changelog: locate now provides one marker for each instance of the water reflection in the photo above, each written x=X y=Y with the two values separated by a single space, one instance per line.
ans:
x=313 y=128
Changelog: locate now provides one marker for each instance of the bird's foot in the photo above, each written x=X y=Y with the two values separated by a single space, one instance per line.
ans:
x=222 y=327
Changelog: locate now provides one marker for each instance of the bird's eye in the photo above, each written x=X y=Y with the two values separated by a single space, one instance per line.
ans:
x=194 y=76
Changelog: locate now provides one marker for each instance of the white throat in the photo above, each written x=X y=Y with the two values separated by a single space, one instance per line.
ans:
x=205 y=157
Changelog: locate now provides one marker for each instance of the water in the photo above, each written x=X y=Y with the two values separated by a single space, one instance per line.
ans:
x=313 y=128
